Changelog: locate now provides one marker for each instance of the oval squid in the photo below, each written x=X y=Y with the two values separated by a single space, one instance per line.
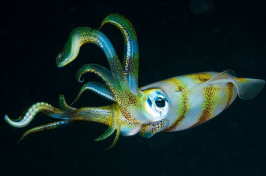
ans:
x=170 y=105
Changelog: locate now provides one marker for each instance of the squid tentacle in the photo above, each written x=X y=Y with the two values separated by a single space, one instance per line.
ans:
x=102 y=72
x=106 y=134
x=48 y=126
x=101 y=115
x=123 y=97
x=118 y=83
x=112 y=127
x=82 y=35
x=33 y=110
x=63 y=105
x=122 y=84
x=117 y=124
x=131 y=51
x=120 y=92
x=110 y=130
x=98 y=88
x=109 y=115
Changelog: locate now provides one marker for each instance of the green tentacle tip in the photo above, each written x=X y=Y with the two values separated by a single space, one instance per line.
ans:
x=79 y=94
x=115 y=140
x=106 y=134
x=23 y=136
x=26 y=134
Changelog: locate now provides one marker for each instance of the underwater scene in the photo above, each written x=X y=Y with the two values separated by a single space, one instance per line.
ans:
x=133 y=87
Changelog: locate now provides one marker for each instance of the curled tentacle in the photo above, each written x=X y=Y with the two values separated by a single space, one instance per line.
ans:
x=131 y=51
x=120 y=92
x=82 y=35
x=98 y=88
x=102 y=72
x=33 y=110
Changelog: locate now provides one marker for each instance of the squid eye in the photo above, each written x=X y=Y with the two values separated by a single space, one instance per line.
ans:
x=157 y=104
x=160 y=103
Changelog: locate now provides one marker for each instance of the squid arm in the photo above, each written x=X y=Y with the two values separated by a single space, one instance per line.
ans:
x=131 y=51
x=83 y=35
x=106 y=115
x=98 y=88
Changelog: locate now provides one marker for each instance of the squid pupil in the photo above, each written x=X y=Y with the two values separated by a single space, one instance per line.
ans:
x=160 y=103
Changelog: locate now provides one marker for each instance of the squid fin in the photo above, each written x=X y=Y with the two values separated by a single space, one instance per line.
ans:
x=248 y=88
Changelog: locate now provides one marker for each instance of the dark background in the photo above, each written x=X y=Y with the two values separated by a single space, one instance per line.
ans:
x=175 y=38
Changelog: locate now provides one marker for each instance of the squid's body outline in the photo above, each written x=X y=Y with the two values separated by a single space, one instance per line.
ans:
x=174 y=104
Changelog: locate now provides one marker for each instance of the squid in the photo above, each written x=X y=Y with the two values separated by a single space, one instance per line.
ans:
x=170 y=105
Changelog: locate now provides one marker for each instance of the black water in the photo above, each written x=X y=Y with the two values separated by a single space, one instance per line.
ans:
x=175 y=38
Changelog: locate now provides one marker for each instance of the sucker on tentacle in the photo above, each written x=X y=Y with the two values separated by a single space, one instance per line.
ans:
x=170 y=105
